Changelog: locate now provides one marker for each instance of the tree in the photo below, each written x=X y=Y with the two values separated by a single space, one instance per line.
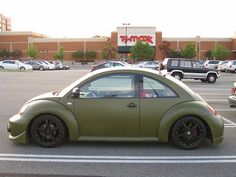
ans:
x=189 y=51
x=208 y=54
x=33 y=52
x=90 y=55
x=4 y=53
x=174 y=54
x=142 y=51
x=16 y=53
x=109 y=51
x=165 y=48
x=78 y=55
x=60 y=54
x=219 y=52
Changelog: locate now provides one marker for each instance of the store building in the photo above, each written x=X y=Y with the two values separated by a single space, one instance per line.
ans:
x=123 y=39
x=5 y=23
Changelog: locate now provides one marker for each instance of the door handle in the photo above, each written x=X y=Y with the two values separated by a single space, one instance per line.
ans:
x=132 y=105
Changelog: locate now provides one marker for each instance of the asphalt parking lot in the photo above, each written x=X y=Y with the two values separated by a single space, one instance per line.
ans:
x=111 y=159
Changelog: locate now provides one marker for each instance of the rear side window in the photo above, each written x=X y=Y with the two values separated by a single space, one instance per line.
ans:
x=152 y=88
x=185 y=63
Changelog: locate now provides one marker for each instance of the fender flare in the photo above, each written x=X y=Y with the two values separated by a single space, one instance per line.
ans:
x=189 y=108
x=57 y=109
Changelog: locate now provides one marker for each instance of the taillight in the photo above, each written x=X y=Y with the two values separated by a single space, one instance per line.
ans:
x=212 y=110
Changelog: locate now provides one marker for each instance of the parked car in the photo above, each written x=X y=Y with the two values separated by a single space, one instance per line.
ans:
x=181 y=68
x=212 y=63
x=36 y=65
x=119 y=104
x=231 y=66
x=110 y=64
x=59 y=65
x=148 y=64
x=49 y=65
x=14 y=64
x=223 y=66
x=232 y=97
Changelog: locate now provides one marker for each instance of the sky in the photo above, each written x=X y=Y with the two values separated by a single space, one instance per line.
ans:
x=87 y=18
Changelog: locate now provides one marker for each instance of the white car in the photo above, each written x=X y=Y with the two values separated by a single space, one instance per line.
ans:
x=231 y=66
x=46 y=63
x=14 y=64
x=223 y=66
x=212 y=64
x=148 y=64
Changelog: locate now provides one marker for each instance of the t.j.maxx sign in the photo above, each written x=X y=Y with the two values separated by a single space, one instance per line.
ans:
x=127 y=37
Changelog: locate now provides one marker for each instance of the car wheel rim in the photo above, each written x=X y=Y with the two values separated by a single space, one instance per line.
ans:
x=211 y=79
x=189 y=133
x=47 y=132
x=177 y=77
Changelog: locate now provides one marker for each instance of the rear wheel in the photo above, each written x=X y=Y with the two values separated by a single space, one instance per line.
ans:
x=41 y=68
x=177 y=76
x=1 y=68
x=188 y=133
x=47 y=131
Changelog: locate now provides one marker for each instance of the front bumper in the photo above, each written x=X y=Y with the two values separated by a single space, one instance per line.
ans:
x=17 y=128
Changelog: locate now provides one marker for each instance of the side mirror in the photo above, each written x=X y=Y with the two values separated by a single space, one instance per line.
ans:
x=76 y=92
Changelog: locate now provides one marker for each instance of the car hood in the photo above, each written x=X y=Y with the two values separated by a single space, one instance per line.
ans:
x=46 y=96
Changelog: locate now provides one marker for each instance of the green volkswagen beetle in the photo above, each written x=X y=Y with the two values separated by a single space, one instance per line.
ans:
x=121 y=104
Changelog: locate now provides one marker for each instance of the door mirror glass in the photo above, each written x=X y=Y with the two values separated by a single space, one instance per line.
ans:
x=76 y=92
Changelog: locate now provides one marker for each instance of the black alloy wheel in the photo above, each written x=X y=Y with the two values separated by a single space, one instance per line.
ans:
x=188 y=133
x=47 y=131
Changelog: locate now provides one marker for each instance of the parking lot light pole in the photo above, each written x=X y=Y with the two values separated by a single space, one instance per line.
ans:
x=126 y=38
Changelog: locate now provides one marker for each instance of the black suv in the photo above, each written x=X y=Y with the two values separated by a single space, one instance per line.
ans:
x=189 y=69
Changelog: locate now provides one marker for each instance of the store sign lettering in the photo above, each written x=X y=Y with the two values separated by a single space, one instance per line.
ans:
x=126 y=39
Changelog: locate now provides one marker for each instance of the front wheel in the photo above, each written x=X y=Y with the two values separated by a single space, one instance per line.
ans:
x=22 y=68
x=188 y=133
x=211 y=78
x=47 y=131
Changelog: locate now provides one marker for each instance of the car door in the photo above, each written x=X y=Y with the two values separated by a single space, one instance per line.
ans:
x=156 y=98
x=108 y=107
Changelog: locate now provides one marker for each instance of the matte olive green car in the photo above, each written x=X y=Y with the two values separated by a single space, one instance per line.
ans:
x=121 y=104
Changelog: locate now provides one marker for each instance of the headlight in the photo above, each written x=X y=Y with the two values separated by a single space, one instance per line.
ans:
x=24 y=109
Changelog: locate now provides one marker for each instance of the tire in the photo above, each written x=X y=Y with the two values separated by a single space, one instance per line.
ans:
x=47 y=131
x=177 y=76
x=211 y=78
x=188 y=133
x=22 y=68
x=41 y=68
x=1 y=68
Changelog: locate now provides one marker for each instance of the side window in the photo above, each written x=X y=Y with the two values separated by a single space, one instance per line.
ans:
x=117 y=64
x=185 y=64
x=110 y=86
x=174 y=63
x=152 y=88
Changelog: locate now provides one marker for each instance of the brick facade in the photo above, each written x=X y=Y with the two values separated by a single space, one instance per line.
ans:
x=49 y=46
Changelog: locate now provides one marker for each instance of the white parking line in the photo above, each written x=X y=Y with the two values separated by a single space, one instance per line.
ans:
x=117 y=159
